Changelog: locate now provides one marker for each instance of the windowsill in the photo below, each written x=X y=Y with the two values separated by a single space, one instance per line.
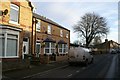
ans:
x=12 y=22
x=37 y=31
x=48 y=53
x=10 y=57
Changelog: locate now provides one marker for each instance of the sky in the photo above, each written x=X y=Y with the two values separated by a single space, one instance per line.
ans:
x=67 y=13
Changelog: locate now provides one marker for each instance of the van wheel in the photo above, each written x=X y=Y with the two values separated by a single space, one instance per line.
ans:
x=92 y=60
x=70 y=64
x=86 y=62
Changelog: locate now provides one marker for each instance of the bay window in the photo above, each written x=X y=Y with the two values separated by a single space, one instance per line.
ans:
x=62 y=48
x=2 y=39
x=11 y=46
x=49 y=48
x=9 y=42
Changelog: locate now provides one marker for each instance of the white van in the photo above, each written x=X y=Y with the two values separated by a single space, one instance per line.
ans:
x=80 y=55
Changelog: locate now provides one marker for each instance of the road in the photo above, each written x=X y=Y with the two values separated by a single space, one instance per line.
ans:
x=104 y=66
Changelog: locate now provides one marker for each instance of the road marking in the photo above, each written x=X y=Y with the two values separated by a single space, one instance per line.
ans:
x=69 y=75
x=111 y=71
x=44 y=72
x=77 y=71
x=83 y=67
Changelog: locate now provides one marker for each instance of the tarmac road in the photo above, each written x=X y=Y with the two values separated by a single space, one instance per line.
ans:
x=105 y=66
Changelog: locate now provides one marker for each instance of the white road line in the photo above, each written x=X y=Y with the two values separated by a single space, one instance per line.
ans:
x=69 y=75
x=83 y=67
x=43 y=72
x=77 y=71
x=111 y=71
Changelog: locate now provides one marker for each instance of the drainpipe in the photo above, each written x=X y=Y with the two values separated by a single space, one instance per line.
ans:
x=32 y=35
x=35 y=38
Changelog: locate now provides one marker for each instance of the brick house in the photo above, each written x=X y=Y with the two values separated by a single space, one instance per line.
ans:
x=105 y=47
x=23 y=32
x=15 y=32
x=51 y=40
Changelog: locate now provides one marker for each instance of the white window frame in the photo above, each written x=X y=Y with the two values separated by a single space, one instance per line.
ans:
x=15 y=7
x=38 y=24
x=62 y=49
x=2 y=37
x=61 y=33
x=66 y=35
x=49 y=29
x=38 y=43
x=6 y=32
x=50 y=47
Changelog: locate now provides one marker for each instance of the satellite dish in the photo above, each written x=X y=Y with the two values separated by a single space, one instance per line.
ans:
x=5 y=12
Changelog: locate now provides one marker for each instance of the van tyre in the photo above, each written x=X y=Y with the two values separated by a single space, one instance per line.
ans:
x=86 y=62
x=92 y=60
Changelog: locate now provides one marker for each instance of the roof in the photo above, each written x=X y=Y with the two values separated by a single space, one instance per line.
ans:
x=75 y=45
x=49 y=40
x=101 y=44
x=61 y=42
x=48 y=20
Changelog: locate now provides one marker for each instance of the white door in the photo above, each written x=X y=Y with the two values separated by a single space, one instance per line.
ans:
x=25 y=48
x=38 y=48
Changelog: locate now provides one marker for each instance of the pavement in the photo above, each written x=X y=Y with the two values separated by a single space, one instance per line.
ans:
x=34 y=69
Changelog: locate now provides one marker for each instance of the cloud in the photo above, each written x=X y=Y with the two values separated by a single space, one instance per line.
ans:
x=67 y=13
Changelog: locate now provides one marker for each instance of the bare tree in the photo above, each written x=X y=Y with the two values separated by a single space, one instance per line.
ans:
x=90 y=26
x=77 y=42
x=97 y=40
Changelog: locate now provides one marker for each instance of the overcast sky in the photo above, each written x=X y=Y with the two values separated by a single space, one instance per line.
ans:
x=67 y=13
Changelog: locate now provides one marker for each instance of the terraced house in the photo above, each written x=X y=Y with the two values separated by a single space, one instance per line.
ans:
x=23 y=32
x=15 y=32
x=51 y=39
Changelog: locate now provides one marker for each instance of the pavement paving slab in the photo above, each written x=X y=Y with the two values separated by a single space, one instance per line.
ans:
x=34 y=69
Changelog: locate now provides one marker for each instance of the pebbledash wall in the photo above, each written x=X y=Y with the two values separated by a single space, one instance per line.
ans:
x=52 y=41
x=15 y=32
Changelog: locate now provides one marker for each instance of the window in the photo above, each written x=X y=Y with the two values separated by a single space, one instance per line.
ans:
x=9 y=44
x=61 y=33
x=49 y=29
x=14 y=12
x=38 y=48
x=62 y=48
x=2 y=39
x=38 y=26
x=67 y=35
x=49 y=47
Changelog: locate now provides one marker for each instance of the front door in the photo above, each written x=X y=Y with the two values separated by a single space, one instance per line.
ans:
x=38 y=48
x=25 y=47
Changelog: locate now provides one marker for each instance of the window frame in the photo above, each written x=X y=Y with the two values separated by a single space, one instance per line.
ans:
x=38 y=43
x=38 y=30
x=49 y=29
x=63 y=48
x=50 y=48
x=15 y=7
x=61 y=33
x=66 y=35
x=6 y=33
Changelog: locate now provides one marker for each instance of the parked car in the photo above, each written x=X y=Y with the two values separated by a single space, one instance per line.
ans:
x=113 y=51
x=80 y=55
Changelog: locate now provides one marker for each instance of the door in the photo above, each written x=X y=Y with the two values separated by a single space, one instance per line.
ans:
x=38 y=48
x=25 y=47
